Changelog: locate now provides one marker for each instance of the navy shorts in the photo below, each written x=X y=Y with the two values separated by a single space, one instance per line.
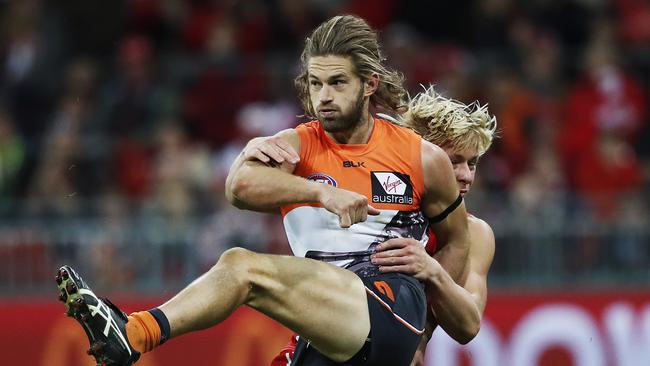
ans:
x=397 y=308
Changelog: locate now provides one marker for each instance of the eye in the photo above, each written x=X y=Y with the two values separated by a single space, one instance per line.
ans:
x=315 y=85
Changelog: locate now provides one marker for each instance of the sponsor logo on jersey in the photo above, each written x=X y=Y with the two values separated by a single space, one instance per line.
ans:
x=322 y=178
x=391 y=187
x=354 y=164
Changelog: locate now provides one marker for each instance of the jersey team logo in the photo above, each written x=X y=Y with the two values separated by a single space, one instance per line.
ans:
x=391 y=187
x=322 y=178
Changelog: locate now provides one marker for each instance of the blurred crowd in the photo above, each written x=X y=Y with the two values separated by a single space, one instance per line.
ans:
x=119 y=121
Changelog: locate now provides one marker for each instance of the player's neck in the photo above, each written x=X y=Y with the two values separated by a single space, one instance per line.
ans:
x=360 y=134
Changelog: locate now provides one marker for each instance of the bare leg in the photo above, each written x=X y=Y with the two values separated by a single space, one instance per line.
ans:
x=319 y=301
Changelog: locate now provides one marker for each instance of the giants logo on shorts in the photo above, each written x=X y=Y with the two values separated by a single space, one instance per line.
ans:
x=322 y=178
x=391 y=187
x=385 y=289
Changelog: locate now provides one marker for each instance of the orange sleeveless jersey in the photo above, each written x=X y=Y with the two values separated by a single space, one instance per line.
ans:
x=387 y=170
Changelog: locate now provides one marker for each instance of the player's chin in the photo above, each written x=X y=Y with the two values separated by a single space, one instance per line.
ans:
x=333 y=125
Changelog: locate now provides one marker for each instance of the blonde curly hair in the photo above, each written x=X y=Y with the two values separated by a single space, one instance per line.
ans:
x=450 y=123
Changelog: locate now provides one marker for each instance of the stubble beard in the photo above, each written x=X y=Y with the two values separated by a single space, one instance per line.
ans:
x=348 y=121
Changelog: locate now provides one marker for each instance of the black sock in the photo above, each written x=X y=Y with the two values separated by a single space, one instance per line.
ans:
x=163 y=323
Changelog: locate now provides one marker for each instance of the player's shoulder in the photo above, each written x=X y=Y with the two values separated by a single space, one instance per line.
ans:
x=479 y=226
x=288 y=133
x=433 y=149
x=291 y=136
x=309 y=125
x=393 y=126
x=434 y=157
x=309 y=130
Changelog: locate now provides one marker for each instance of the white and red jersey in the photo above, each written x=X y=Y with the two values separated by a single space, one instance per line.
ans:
x=387 y=170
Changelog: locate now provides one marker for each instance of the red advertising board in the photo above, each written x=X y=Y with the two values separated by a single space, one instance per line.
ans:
x=542 y=329
x=555 y=329
x=39 y=334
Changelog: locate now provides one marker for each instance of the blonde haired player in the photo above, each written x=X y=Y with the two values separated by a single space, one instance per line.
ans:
x=465 y=133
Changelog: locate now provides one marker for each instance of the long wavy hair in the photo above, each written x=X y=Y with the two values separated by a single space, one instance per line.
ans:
x=350 y=36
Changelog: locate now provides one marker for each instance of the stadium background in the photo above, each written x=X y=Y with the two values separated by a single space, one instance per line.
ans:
x=119 y=119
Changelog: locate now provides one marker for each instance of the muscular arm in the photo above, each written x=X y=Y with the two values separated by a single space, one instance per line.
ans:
x=459 y=310
x=441 y=191
x=261 y=179
x=254 y=185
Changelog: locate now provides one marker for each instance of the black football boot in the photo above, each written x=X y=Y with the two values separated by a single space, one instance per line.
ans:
x=103 y=322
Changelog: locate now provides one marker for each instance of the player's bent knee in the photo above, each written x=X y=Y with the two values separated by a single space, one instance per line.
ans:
x=235 y=256
x=237 y=261
x=251 y=270
x=243 y=262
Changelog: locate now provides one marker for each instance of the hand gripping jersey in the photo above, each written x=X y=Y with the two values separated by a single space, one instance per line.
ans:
x=387 y=170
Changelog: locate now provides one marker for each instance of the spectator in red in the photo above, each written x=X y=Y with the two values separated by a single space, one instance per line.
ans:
x=225 y=82
x=606 y=106
x=605 y=116
x=634 y=24
x=129 y=107
x=606 y=174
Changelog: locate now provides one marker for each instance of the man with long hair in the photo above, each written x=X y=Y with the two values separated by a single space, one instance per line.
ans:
x=360 y=181
x=465 y=133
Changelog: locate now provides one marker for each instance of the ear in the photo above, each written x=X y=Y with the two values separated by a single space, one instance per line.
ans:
x=371 y=85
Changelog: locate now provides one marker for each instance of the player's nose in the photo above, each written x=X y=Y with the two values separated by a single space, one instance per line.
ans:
x=325 y=95
x=463 y=173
